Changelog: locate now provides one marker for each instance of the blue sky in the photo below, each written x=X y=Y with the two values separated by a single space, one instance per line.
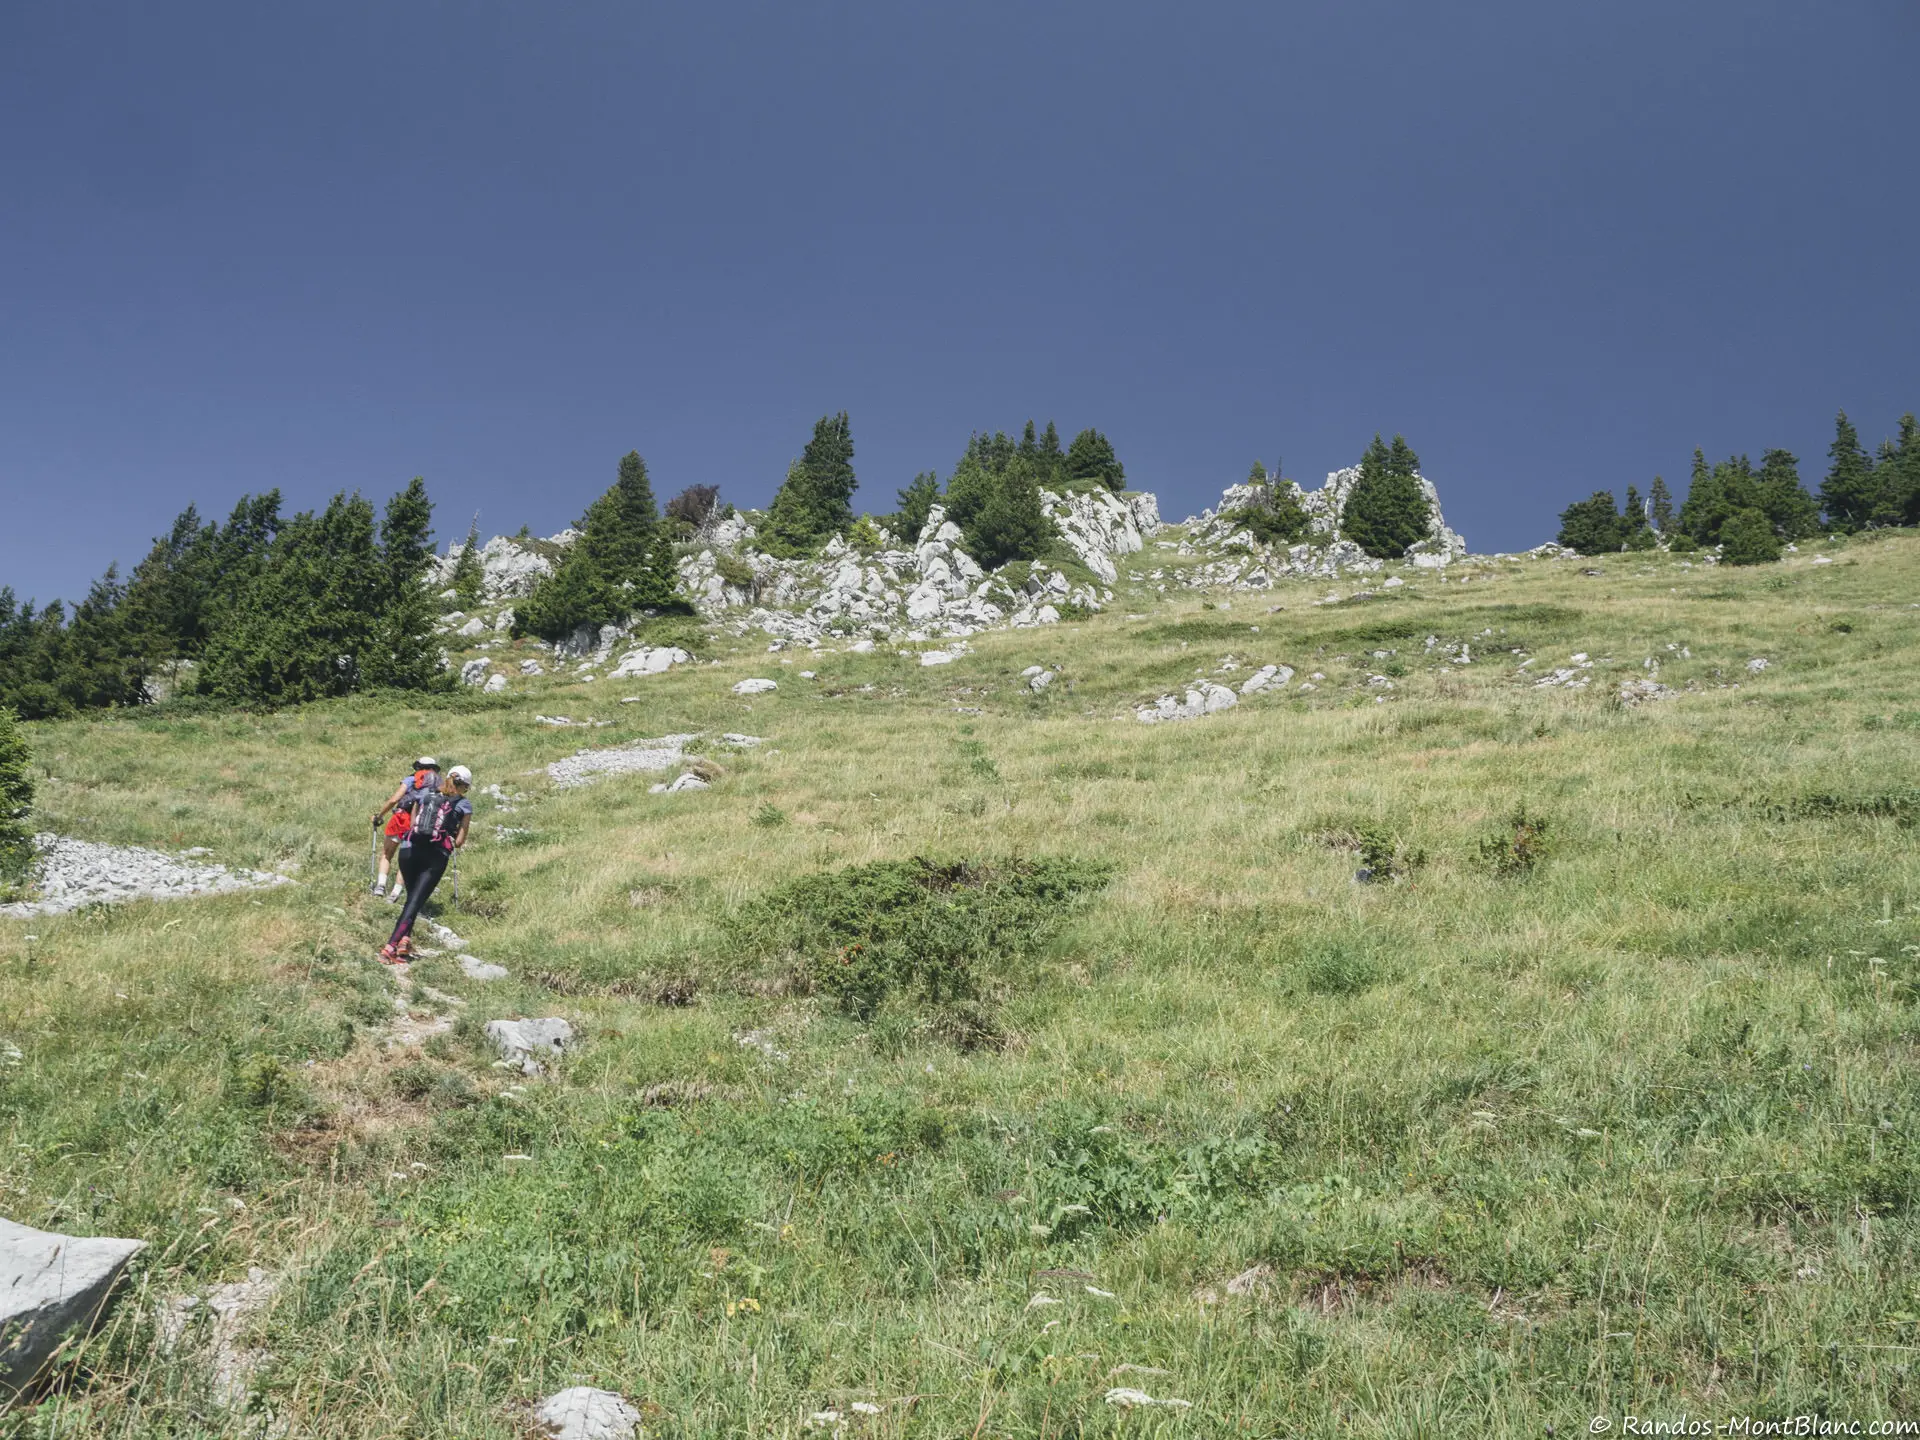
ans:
x=333 y=247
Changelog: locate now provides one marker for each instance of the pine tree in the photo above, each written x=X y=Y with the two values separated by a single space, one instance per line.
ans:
x=1660 y=505
x=1907 y=491
x=1849 y=494
x=1591 y=526
x=1052 y=456
x=611 y=570
x=308 y=624
x=469 y=577
x=916 y=503
x=994 y=497
x=1748 y=538
x=403 y=654
x=16 y=796
x=1793 y=513
x=1030 y=442
x=1705 y=509
x=1091 y=458
x=1257 y=475
x=1635 y=532
x=817 y=499
x=1386 y=511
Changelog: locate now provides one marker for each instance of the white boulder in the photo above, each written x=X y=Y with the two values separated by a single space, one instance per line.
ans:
x=475 y=671
x=495 y=684
x=583 y=1413
x=50 y=1286
x=757 y=686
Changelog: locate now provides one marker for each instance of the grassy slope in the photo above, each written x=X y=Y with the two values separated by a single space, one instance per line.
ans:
x=1638 y=1132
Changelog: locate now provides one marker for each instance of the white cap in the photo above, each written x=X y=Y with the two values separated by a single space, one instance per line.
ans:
x=426 y=762
x=461 y=775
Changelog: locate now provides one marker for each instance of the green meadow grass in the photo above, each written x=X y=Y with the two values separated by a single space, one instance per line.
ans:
x=1637 y=1130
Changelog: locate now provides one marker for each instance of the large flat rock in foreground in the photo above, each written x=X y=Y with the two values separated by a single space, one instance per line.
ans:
x=50 y=1285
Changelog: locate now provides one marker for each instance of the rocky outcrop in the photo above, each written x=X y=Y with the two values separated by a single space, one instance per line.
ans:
x=585 y=1413
x=1237 y=559
x=931 y=589
x=509 y=566
x=50 y=1286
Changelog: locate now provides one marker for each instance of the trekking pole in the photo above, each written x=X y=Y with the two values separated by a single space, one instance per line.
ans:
x=456 y=877
x=376 y=852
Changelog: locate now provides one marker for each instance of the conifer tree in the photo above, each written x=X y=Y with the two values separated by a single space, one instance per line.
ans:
x=16 y=796
x=403 y=654
x=817 y=499
x=612 y=570
x=1635 y=532
x=1052 y=456
x=994 y=497
x=1591 y=526
x=468 y=580
x=1748 y=538
x=1849 y=494
x=1705 y=509
x=1907 y=482
x=1793 y=513
x=1030 y=442
x=1258 y=474
x=1091 y=457
x=1386 y=511
x=1660 y=505
x=916 y=503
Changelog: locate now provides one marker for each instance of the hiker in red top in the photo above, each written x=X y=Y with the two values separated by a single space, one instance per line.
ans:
x=438 y=826
x=425 y=776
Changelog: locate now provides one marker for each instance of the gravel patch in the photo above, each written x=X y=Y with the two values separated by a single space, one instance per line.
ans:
x=642 y=756
x=71 y=873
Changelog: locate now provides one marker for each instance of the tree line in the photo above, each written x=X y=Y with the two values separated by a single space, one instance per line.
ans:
x=1751 y=514
x=264 y=609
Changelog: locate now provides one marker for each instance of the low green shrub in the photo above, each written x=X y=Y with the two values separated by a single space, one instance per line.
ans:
x=942 y=934
x=1518 y=849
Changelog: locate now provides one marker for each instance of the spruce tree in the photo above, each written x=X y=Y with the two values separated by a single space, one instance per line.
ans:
x=1258 y=474
x=1660 y=505
x=1091 y=458
x=994 y=497
x=611 y=571
x=817 y=499
x=916 y=503
x=308 y=624
x=468 y=581
x=1849 y=494
x=1748 y=538
x=1907 y=488
x=16 y=796
x=1794 y=514
x=1705 y=509
x=1052 y=456
x=1635 y=532
x=403 y=654
x=1386 y=510
x=1591 y=526
x=1030 y=442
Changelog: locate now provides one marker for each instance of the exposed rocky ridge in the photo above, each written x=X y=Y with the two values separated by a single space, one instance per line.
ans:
x=1251 y=565
x=931 y=588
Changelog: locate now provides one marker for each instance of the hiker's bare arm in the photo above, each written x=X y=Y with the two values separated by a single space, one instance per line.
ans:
x=460 y=840
x=387 y=809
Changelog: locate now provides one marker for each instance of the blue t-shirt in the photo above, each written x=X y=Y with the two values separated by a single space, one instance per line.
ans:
x=452 y=813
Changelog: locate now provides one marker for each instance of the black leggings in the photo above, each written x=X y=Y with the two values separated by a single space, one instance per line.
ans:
x=421 y=867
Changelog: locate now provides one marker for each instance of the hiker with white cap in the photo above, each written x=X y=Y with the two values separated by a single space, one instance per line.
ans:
x=438 y=826
x=425 y=776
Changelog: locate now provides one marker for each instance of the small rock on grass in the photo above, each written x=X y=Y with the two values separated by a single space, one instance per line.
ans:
x=477 y=969
x=755 y=686
x=520 y=1041
x=582 y=1412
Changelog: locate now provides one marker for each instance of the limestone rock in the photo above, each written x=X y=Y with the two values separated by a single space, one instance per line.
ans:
x=1205 y=698
x=477 y=969
x=642 y=661
x=227 y=1309
x=643 y=756
x=474 y=672
x=524 y=1042
x=495 y=684
x=68 y=874
x=584 y=1413
x=50 y=1285
x=755 y=687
